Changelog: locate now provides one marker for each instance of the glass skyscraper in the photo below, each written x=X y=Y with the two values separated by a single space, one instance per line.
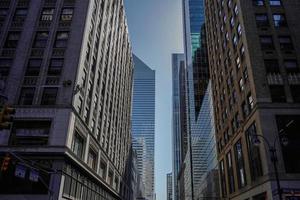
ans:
x=143 y=123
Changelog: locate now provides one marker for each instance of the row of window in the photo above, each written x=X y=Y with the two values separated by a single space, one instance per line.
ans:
x=263 y=2
x=27 y=95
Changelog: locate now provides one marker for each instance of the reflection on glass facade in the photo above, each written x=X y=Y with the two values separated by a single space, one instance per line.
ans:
x=178 y=128
x=143 y=120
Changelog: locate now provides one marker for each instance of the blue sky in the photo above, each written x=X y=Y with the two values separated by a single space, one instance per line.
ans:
x=155 y=28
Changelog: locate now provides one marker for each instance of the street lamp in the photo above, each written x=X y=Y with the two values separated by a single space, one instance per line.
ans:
x=272 y=149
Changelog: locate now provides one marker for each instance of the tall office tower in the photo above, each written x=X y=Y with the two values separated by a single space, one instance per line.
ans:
x=169 y=186
x=67 y=66
x=178 y=131
x=143 y=123
x=254 y=62
x=197 y=77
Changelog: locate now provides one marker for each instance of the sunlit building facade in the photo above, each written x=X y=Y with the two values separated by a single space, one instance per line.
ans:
x=143 y=123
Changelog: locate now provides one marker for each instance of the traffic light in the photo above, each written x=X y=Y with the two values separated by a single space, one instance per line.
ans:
x=5 y=163
x=6 y=117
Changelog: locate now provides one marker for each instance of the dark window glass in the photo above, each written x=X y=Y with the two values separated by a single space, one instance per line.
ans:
x=262 y=196
x=291 y=66
x=230 y=172
x=55 y=67
x=261 y=19
x=12 y=40
x=5 y=65
x=33 y=67
x=290 y=126
x=272 y=66
x=47 y=14
x=266 y=42
x=286 y=43
x=275 y=2
x=279 y=20
x=277 y=93
x=26 y=96
x=258 y=2
x=61 y=39
x=20 y=14
x=78 y=145
x=92 y=159
x=254 y=154
x=295 y=90
x=240 y=168
x=66 y=14
x=49 y=96
x=41 y=39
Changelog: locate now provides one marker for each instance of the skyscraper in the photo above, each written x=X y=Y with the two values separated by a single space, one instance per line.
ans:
x=178 y=129
x=254 y=62
x=169 y=186
x=143 y=123
x=67 y=68
x=197 y=78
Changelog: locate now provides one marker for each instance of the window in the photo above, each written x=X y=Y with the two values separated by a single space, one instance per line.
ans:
x=3 y=13
x=285 y=43
x=241 y=84
x=266 y=42
x=47 y=14
x=49 y=96
x=254 y=154
x=61 y=39
x=235 y=41
x=20 y=14
x=250 y=102
x=66 y=14
x=236 y=10
x=262 y=196
x=295 y=90
x=5 y=65
x=41 y=39
x=92 y=159
x=30 y=132
x=33 y=67
x=238 y=62
x=275 y=2
x=26 y=96
x=239 y=30
x=78 y=145
x=55 y=67
x=279 y=20
x=240 y=168
x=232 y=22
x=12 y=40
x=103 y=168
x=291 y=66
x=272 y=66
x=223 y=178
x=277 y=93
x=291 y=151
x=262 y=20
x=258 y=2
x=230 y=172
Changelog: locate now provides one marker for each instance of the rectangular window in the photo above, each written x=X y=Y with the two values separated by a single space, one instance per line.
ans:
x=266 y=42
x=295 y=90
x=66 y=14
x=5 y=65
x=285 y=43
x=253 y=153
x=279 y=20
x=272 y=66
x=41 y=39
x=26 y=96
x=240 y=168
x=223 y=179
x=261 y=20
x=61 y=40
x=92 y=159
x=78 y=145
x=33 y=67
x=12 y=40
x=103 y=168
x=49 y=96
x=47 y=14
x=20 y=15
x=277 y=93
x=230 y=172
x=30 y=132
x=258 y=2
x=291 y=66
x=55 y=67
x=289 y=126
x=275 y=2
